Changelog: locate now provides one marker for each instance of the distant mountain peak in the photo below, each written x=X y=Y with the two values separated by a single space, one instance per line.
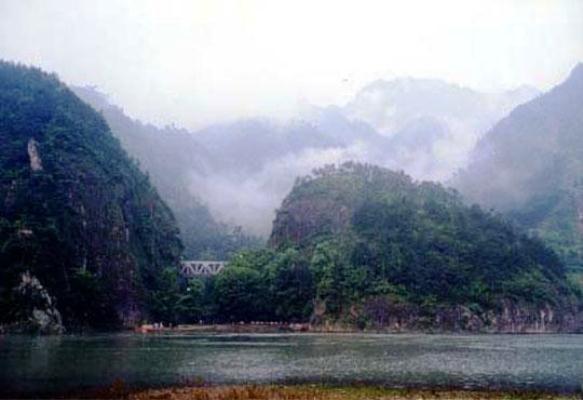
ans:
x=410 y=84
x=576 y=73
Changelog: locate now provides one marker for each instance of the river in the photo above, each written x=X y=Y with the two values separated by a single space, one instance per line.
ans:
x=54 y=364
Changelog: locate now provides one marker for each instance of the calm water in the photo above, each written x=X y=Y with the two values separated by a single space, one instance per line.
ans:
x=55 y=364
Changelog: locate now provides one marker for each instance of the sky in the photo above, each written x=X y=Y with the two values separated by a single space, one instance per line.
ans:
x=193 y=63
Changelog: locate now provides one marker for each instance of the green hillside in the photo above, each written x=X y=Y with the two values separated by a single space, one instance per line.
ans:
x=377 y=242
x=83 y=234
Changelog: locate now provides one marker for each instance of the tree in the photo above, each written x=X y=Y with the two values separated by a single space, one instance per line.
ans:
x=164 y=302
x=240 y=294
x=191 y=303
x=292 y=288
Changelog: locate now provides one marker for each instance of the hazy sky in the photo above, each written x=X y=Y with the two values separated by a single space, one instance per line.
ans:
x=194 y=62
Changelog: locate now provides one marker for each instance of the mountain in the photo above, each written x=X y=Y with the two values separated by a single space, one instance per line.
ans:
x=84 y=237
x=179 y=166
x=425 y=127
x=530 y=166
x=238 y=172
x=448 y=119
x=389 y=252
x=256 y=160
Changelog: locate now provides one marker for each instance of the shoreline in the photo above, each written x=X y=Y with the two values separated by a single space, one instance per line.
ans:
x=333 y=329
x=301 y=328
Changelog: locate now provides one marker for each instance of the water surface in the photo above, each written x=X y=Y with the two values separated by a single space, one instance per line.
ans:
x=57 y=364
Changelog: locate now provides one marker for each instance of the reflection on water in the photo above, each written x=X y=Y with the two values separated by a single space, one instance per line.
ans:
x=53 y=364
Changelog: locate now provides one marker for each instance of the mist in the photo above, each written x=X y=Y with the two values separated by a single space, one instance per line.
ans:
x=195 y=63
x=229 y=102
x=255 y=162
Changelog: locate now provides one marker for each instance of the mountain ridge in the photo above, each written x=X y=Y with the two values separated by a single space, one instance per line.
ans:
x=529 y=166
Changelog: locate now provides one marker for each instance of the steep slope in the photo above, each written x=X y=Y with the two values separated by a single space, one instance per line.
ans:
x=530 y=166
x=386 y=249
x=82 y=231
x=176 y=162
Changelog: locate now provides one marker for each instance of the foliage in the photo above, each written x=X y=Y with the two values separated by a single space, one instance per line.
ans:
x=371 y=232
x=165 y=299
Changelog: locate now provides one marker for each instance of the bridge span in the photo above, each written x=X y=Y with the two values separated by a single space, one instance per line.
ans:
x=191 y=269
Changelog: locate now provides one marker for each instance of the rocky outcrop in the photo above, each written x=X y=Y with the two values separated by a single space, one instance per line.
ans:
x=508 y=317
x=36 y=312
x=34 y=156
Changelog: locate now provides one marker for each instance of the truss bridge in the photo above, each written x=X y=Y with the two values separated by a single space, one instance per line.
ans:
x=191 y=269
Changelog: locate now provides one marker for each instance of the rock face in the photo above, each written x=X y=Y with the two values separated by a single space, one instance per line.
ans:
x=78 y=219
x=35 y=161
x=509 y=317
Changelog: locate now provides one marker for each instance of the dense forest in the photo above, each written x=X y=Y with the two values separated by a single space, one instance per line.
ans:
x=359 y=245
x=84 y=236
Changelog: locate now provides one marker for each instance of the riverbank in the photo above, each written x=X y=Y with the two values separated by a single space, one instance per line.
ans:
x=333 y=328
x=311 y=392
x=258 y=327
x=270 y=327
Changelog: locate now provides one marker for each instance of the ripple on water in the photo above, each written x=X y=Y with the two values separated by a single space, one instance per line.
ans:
x=495 y=361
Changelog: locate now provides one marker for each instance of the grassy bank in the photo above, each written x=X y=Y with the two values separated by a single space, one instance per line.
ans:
x=304 y=392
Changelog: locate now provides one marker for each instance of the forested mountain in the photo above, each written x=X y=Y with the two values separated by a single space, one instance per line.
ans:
x=375 y=244
x=530 y=166
x=360 y=246
x=176 y=162
x=84 y=236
